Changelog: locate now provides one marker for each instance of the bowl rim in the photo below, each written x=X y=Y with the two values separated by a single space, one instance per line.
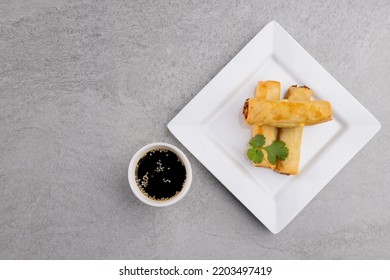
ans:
x=136 y=190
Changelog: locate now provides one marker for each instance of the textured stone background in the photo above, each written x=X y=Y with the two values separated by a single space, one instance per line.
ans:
x=84 y=84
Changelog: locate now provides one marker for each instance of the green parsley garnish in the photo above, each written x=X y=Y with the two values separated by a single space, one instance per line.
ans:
x=276 y=150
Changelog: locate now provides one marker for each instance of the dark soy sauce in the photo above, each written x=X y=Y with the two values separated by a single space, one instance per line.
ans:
x=160 y=174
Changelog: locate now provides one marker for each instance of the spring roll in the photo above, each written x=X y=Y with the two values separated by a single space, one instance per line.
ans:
x=286 y=113
x=292 y=136
x=266 y=90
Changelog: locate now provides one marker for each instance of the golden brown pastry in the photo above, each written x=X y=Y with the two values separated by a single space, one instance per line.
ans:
x=286 y=113
x=292 y=136
x=266 y=90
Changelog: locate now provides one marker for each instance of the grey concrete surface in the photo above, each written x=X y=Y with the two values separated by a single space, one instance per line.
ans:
x=84 y=84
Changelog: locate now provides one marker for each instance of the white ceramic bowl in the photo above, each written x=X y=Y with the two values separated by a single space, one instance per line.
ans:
x=136 y=190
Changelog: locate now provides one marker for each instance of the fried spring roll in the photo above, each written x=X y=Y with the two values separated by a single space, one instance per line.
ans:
x=292 y=136
x=286 y=113
x=266 y=90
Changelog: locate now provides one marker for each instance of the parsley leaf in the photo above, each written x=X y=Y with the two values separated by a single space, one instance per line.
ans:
x=277 y=150
x=255 y=155
x=257 y=141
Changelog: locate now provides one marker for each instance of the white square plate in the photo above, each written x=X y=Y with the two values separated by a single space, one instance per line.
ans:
x=211 y=127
